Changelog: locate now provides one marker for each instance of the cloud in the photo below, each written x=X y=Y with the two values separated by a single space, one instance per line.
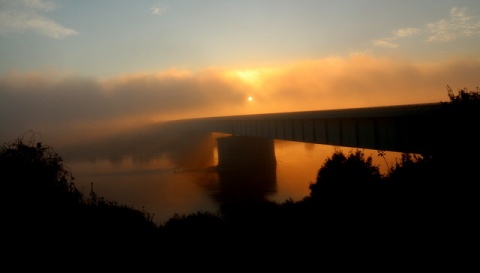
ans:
x=458 y=25
x=27 y=15
x=75 y=105
x=73 y=108
x=157 y=9
x=384 y=43
x=397 y=34
x=406 y=32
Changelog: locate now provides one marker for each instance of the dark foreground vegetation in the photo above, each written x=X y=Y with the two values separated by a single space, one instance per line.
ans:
x=425 y=205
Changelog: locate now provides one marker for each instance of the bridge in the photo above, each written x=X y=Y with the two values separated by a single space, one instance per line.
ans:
x=427 y=129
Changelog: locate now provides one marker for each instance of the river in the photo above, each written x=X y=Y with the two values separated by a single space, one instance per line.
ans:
x=160 y=186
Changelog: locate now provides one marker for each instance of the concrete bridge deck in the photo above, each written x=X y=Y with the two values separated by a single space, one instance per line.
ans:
x=402 y=128
x=416 y=128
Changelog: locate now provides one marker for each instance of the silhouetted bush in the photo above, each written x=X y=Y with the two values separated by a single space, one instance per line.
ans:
x=346 y=176
x=464 y=98
x=35 y=173
x=41 y=204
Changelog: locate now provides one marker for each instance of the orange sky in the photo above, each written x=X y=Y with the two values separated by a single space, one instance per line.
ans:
x=74 y=70
x=69 y=106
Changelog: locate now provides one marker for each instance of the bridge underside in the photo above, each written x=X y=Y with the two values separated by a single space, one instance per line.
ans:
x=389 y=134
x=245 y=153
x=420 y=129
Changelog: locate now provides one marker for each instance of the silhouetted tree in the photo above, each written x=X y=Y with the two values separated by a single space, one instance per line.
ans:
x=459 y=160
x=41 y=205
x=412 y=169
x=34 y=174
x=346 y=191
x=340 y=174
x=464 y=97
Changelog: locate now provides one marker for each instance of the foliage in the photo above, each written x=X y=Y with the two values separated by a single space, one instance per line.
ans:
x=36 y=174
x=464 y=96
x=346 y=173
x=463 y=108
x=200 y=223
x=43 y=202
x=412 y=168
x=460 y=157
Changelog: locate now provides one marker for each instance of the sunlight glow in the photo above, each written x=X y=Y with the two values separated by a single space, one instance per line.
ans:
x=251 y=77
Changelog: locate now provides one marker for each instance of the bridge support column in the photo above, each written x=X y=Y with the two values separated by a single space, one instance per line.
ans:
x=242 y=153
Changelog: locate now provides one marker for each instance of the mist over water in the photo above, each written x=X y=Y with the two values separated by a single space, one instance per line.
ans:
x=166 y=174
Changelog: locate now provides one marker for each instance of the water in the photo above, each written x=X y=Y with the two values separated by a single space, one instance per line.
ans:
x=160 y=186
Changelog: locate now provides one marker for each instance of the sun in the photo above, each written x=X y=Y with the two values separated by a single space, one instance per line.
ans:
x=250 y=98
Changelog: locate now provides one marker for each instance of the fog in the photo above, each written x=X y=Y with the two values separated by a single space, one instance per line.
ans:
x=66 y=108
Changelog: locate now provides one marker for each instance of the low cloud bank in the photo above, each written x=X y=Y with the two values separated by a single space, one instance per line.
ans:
x=65 y=109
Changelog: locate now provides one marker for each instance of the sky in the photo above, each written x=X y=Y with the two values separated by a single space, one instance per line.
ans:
x=73 y=70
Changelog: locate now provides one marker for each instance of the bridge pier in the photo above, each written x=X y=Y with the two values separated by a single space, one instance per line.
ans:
x=243 y=153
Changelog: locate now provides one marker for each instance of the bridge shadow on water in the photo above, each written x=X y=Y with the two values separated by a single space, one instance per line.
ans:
x=246 y=169
x=237 y=186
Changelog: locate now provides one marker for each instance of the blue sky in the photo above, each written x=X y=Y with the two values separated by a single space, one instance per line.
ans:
x=107 y=38
x=84 y=64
